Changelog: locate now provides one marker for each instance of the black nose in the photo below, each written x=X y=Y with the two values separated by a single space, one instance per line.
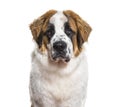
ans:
x=59 y=45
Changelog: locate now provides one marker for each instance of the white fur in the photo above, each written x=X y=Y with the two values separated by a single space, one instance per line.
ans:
x=58 y=85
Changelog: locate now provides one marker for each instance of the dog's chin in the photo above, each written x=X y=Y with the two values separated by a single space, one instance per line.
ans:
x=59 y=58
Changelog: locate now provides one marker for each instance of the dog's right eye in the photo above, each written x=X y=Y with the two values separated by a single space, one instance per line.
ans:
x=50 y=33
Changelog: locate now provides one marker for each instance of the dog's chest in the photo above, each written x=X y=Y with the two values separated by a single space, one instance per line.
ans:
x=52 y=87
x=60 y=88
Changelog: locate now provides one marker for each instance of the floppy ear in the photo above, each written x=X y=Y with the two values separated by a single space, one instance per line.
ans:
x=83 y=29
x=39 y=25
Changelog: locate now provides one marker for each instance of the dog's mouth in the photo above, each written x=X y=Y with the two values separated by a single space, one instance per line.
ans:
x=60 y=57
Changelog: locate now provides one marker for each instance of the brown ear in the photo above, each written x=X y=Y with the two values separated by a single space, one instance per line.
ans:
x=83 y=28
x=40 y=24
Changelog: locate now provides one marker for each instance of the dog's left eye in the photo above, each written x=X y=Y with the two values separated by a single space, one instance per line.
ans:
x=69 y=32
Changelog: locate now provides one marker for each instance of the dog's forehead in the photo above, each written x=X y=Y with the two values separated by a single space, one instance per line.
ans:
x=58 y=18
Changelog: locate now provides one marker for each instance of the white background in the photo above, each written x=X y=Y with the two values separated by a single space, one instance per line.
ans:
x=103 y=49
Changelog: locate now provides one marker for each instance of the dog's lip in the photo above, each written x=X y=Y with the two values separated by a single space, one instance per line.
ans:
x=60 y=57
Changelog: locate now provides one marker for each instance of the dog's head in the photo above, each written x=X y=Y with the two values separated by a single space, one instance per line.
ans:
x=60 y=34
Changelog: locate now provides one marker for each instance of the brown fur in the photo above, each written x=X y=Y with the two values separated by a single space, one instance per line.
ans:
x=81 y=28
x=40 y=25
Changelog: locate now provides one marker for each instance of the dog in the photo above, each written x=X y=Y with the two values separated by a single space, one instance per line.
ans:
x=59 y=72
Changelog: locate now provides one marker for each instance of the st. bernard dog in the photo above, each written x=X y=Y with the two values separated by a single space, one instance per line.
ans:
x=59 y=67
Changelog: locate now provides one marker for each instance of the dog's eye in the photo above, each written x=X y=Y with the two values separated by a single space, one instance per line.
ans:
x=50 y=33
x=69 y=32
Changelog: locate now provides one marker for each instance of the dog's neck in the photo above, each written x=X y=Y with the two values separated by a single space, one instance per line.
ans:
x=42 y=62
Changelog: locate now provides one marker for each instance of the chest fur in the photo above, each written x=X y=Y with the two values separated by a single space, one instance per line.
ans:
x=58 y=88
x=51 y=86
x=61 y=88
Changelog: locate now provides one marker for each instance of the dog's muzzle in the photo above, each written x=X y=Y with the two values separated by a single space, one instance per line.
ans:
x=60 y=51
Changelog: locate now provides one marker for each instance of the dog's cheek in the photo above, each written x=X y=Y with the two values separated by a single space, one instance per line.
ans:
x=75 y=46
x=43 y=48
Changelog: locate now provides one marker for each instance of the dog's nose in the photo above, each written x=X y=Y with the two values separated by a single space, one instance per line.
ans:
x=59 y=45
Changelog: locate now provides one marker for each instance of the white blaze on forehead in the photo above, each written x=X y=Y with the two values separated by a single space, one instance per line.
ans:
x=58 y=20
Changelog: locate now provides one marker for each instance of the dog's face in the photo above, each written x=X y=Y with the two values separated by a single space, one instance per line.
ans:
x=60 y=34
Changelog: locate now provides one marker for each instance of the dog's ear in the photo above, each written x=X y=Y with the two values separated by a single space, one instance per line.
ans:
x=83 y=28
x=39 y=25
